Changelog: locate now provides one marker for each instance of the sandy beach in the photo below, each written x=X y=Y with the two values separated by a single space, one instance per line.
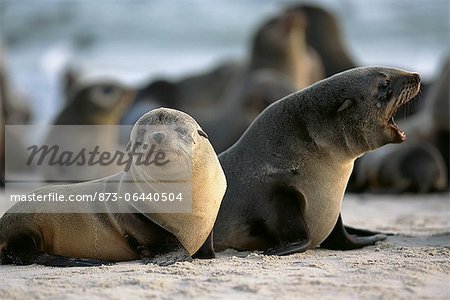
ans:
x=413 y=264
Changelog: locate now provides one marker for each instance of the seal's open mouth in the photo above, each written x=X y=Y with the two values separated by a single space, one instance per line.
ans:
x=397 y=129
x=408 y=93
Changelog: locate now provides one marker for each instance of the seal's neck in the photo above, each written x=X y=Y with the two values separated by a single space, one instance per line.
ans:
x=315 y=121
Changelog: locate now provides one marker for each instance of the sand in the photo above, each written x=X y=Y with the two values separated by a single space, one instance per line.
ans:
x=414 y=264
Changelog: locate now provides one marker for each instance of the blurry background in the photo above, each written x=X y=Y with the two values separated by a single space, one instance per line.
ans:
x=138 y=40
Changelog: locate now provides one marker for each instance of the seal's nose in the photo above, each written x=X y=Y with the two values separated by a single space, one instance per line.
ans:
x=416 y=77
x=158 y=137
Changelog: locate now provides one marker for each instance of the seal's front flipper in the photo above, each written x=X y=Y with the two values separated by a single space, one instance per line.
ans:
x=206 y=251
x=291 y=232
x=166 y=259
x=340 y=239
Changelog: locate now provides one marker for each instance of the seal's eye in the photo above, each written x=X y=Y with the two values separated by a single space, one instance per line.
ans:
x=181 y=131
x=384 y=85
x=108 y=89
x=202 y=133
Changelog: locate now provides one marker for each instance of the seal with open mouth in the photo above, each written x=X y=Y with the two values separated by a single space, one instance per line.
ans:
x=287 y=174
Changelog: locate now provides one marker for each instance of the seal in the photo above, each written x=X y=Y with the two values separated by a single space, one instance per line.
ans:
x=324 y=35
x=413 y=168
x=288 y=172
x=119 y=231
x=99 y=102
x=422 y=164
x=432 y=123
x=280 y=44
x=259 y=90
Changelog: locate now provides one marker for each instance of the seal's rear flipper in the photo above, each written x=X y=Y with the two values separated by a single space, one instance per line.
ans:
x=289 y=248
x=340 y=239
x=364 y=232
x=23 y=249
x=51 y=260
x=206 y=251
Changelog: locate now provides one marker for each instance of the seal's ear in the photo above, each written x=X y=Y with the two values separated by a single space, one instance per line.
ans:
x=346 y=104
x=202 y=133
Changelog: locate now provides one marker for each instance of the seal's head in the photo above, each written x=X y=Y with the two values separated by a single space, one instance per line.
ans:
x=167 y=140
x=277 y=41
x=102 y=100
x=357 y=106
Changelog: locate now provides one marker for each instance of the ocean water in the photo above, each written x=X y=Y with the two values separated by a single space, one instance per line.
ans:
x=136 y=41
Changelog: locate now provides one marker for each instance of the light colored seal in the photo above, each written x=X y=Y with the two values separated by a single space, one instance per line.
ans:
x=109 y=233
x=287 y=174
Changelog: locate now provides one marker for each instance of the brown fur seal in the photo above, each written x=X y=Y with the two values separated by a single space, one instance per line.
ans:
x=100 y=102
x=280 y=44
x=260 y=89
x=432 y=123
x=207 y=88
x=110 y=234
x=288 y=172
x=151 y=96
x=97 y=102
x=325 y=36
x=412 y=167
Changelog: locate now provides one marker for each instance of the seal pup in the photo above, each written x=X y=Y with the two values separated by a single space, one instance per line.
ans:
x=288 y=172
x=107 y=233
